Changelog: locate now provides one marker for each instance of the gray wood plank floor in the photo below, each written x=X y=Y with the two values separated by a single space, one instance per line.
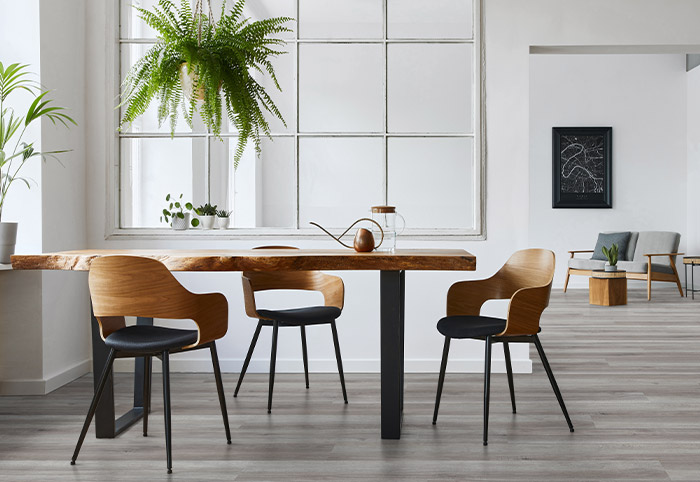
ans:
x=630 y=376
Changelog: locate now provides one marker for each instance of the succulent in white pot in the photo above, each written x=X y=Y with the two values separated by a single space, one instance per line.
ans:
x=207 y=215
x=612 y=255
x=177 y=213
x=15 y=151
x=222 y=218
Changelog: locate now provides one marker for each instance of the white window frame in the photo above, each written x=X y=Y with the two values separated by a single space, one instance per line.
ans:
x=112 y=215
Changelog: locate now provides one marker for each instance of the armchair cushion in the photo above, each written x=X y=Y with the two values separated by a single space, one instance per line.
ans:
x=641 y=266
x=651 y=242
x=583 y=263
x=608 y=239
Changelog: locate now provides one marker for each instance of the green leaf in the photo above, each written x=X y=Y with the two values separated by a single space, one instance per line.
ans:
x=188 y=206
x=167 y=198
x=177 y=205
x=180 y=215
x=195 y=222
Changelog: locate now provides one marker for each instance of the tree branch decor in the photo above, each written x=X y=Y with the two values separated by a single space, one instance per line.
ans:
x=200 y=65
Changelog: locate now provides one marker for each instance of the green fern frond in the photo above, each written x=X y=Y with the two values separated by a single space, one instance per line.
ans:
x=222 y=62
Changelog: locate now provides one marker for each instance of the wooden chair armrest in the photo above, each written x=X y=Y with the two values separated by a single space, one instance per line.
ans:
x=212 y=318
x=572 y=253
x=524 y=311
x=465 y=298
x=664 y=254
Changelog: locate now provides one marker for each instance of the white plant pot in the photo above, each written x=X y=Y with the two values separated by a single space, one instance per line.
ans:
x=8 y=239
x=610 y=268
x=222 y=222
x=207 y=222
x=180 y=224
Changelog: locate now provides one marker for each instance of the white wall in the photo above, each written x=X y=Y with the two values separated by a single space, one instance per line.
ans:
x=42 y=322
x=511 y=27
x=643 y=98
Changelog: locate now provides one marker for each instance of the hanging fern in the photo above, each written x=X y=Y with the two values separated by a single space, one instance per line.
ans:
x=220 y=58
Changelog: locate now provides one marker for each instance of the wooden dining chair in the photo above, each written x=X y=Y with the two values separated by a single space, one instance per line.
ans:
x=525 y=279
x=133 y=286
x=333 y=291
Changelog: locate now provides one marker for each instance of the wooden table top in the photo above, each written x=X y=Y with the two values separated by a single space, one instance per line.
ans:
x=261 y=260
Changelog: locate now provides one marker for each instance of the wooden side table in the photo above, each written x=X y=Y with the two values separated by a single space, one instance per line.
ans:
x=692 y=261
x=607 y=288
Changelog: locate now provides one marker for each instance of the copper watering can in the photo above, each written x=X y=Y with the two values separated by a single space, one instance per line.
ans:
x=364 y=240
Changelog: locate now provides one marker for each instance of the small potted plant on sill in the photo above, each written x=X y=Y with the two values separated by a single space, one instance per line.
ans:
x=611 y=254
x=207 y=214
x=177 y=214
x=222 y=218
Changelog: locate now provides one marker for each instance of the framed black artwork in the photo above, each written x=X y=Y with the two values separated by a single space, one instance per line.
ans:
x=582 y=167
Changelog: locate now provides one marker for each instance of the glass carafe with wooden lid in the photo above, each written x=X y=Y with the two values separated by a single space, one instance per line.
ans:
x=386 y=217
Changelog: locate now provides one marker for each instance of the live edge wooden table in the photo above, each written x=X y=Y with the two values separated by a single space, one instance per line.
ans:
x=392 y=267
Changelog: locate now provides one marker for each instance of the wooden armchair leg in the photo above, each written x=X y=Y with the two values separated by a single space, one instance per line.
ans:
x=566 y=283
x=675 y=272
x=648 y=287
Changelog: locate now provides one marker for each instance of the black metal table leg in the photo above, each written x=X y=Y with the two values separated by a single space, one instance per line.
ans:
x=392 y=284
x=106 y=425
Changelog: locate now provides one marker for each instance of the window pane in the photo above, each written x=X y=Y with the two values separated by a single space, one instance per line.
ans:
x=285 y=66
x=339 y=179
x=262 y=191
x=148 y=122
x=153 y=168
x=340 y=19
x=131 y=26
x=340 y=88
x=431 y=181
x=434 y=94
x=429 y=19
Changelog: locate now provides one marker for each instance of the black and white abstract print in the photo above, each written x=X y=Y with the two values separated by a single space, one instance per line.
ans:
x=582 y=163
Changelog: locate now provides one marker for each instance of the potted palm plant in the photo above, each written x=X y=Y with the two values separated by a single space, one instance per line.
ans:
x=15 y=150
x=201 y=65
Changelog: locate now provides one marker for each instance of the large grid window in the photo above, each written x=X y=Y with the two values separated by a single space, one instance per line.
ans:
x=382 y=100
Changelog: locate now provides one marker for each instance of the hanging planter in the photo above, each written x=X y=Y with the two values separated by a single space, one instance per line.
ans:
x=200 y=65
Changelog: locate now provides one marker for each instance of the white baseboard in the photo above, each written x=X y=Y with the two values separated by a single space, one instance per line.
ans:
x=47 y=385
x=203 y=365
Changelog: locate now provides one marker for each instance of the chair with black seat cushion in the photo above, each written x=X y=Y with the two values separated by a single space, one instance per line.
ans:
x=333 y=292
x=133 y=286
x=525 y=279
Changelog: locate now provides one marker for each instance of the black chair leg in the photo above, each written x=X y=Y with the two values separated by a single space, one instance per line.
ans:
x=339 y=360
x=555 y=387
x=487 y=388
x=509 y=371
x=305 y=355
x=166 y=404
x=93 y=406
x=247 y=358
x=220 y=388
x=441 y=380
x=273 y=362
x=146 y=392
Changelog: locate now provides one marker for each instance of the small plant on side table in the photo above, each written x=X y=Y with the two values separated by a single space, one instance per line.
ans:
x=611 y=254
x=222 y=218
x=177 y=210
x=207 y=214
